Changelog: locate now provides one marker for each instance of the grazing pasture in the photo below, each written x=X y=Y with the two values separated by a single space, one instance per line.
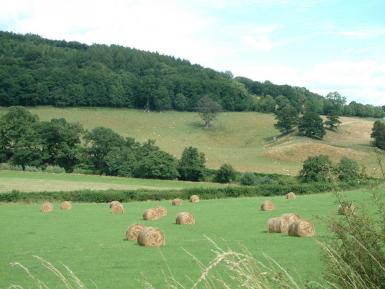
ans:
x=243 y=139
x=91 y=240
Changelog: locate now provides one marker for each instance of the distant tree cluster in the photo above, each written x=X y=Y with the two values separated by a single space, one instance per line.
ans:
x=26 y=141
x=38 y=71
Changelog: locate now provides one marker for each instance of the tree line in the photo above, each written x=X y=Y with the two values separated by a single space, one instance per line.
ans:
x=26 y=141
x=38 y=71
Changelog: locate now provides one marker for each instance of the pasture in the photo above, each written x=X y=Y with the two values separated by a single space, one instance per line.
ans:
x=90 y=240
x=243 y=139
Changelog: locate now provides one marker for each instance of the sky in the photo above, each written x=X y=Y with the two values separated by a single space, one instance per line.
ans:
x=323 y=45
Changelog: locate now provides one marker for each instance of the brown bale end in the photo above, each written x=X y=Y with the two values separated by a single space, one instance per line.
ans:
x=151 y=237
x=117 y=209
x=194 y=199
x=274 y=225
x=291 y=196
x=301 y=228
x=185 y=218
x=151 y=214
x=161 y=211
x=286 y=220
x=113 y=203
x=267 y=206
x=346 y=208
x=47 y=207
x=133 y=232
x=176 y=202
x=66 y=205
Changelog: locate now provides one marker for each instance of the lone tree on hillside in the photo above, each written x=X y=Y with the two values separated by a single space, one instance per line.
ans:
x=311 y=125
x=287 y=118
x=378 y=133
x=208 y=110
x=333 y=120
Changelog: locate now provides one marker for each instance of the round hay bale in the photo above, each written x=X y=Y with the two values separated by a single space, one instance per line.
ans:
x=176 y=202
x=346 y=208
x=66 y=205
x=113 y=203
x=133 y=231
x=161 y=211
x=267 y=206
x=151 y=237
x=274 y=225
x=151 y=214
x=286 y=220
x=117 y=209
x=185 y=218
x=301 y=228
x=291 y=196
x=47 y=207
x=194 y=199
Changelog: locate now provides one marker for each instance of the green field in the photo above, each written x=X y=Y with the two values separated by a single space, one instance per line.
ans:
x=243 y=139
x=90 y=240
x=40 y=181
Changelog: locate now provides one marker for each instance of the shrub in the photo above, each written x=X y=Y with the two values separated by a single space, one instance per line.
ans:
x=378 y=133
x=248 y=179
x=32 y=169
x=349 y=170
x=225 y=174
x=55 y=169
x=317 y=169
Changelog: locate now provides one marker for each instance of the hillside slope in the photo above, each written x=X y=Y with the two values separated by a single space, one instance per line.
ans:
x=243 y=139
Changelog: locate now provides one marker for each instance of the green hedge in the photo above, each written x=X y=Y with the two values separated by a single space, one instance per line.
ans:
x=204 y=193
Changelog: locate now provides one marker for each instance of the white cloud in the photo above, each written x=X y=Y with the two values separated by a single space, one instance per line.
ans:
x=365 y=32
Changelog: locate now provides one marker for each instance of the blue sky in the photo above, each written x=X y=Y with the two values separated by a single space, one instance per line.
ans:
x=324 y=45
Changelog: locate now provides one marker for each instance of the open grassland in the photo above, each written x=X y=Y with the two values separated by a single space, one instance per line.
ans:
x=40 y=181
x=90 y=240
x=243 y=139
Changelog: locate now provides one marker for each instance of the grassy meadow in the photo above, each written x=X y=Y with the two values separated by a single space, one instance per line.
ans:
x=243 y=139
x=41 y=181
x=90 y=240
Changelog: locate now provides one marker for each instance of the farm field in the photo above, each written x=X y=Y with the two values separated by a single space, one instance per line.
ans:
x=90 y=240
x=243 y=139
x=40 y=181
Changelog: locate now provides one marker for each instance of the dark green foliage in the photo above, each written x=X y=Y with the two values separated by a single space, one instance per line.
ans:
x=317 y=169
x=191 y=166
x=208 y=110
x=311 y=125
x=248 y=179
x=349 y=170
x=157 y=165
x=355 y=257
x=60 y=143
x=333 y=120
x=287 y=118
x=378 y=134
x=19 y=138
x=225 y=174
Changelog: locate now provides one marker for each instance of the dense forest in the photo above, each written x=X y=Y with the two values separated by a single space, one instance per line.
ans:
x=38 y=71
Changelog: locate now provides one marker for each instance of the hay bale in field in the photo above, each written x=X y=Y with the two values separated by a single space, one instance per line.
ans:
x=117 y=208
x=66 y=205
x=151 y=237
x=301 y=228
x=274 y=225
x=267 y=206
x=113 y=203
x=133 y=232
x=161 y=211
x=194 y=199
x=177 y=202
x=151 y=214
x=185 y=218
x=47 y=207
x=346 y=208
x=286 y=220
x=291 y=196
